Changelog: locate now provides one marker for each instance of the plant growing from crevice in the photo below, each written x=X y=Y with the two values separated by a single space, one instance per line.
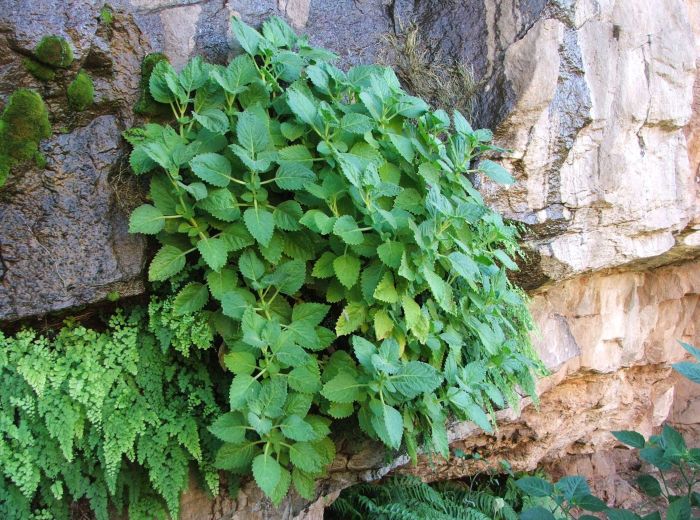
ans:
x=408 y=498
x=38 y=70
x=106 y=15
x=328 y=224
x=81 y=91
x=146 y=105
x=444 y=83
x=23 y=124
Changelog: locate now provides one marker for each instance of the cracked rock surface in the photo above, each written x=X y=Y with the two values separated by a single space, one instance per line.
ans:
x=63 y=229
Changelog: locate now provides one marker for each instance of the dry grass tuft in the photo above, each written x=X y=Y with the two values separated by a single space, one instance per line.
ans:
x=444 y=84
x=129 y=191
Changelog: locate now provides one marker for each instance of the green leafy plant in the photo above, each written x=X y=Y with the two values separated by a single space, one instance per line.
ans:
x=81 y=91
x=689 y=369
x=23 y=124
x=668 y=454
x=562 y=499
x=107 y=418
x=106 y=15
x=407 y=498
x=328 y=222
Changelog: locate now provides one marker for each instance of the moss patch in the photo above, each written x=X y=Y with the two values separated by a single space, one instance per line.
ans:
x=146 y=105
x=23 y=124
x=106 y=15
x=81 y=92
x=54 y=51
x=38 y=70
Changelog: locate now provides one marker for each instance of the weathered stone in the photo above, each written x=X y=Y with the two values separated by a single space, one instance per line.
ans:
x=63 y=229
x=63 y=241
x=602 y=94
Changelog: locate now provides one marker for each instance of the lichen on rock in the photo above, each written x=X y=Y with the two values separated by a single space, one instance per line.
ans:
x=81 y=91
x=54 y=51
x=24 y=122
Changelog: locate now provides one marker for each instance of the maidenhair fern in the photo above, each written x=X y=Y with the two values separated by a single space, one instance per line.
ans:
x=111 y=417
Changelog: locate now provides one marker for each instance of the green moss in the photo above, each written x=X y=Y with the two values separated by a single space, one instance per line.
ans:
x=81 y=92
x=106 y=15
x=54 y=51
x=39 y=71
x=146 y=105
x=24 y=122
x=4 y=169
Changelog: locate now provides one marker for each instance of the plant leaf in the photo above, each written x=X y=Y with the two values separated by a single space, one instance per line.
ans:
x=495 y=172
x=347 y=269
x=260 y=223
x=146 y=219
x=212 y=168
x=267 y=473
x=191 y=298
x=169 y=261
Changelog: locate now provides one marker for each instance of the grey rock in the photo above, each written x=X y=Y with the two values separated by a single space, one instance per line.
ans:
x=63 y=240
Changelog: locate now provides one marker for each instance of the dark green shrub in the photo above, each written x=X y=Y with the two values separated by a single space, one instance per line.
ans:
x=328 y=222
x=54 y=51
x=81 y=91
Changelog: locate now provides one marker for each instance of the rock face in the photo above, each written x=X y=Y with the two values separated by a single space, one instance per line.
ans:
x=63 y=228
x=599 y=101
x=603 y=91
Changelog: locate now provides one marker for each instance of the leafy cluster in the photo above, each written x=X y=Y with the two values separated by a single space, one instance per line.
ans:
x=109 y=418
x=408 y=498
x=146 y=105
x=328 y=222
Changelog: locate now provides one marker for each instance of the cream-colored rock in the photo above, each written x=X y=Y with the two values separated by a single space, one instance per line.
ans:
x=180 y=26
x=297 y=11
x=608 y=165
x=604 y=323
